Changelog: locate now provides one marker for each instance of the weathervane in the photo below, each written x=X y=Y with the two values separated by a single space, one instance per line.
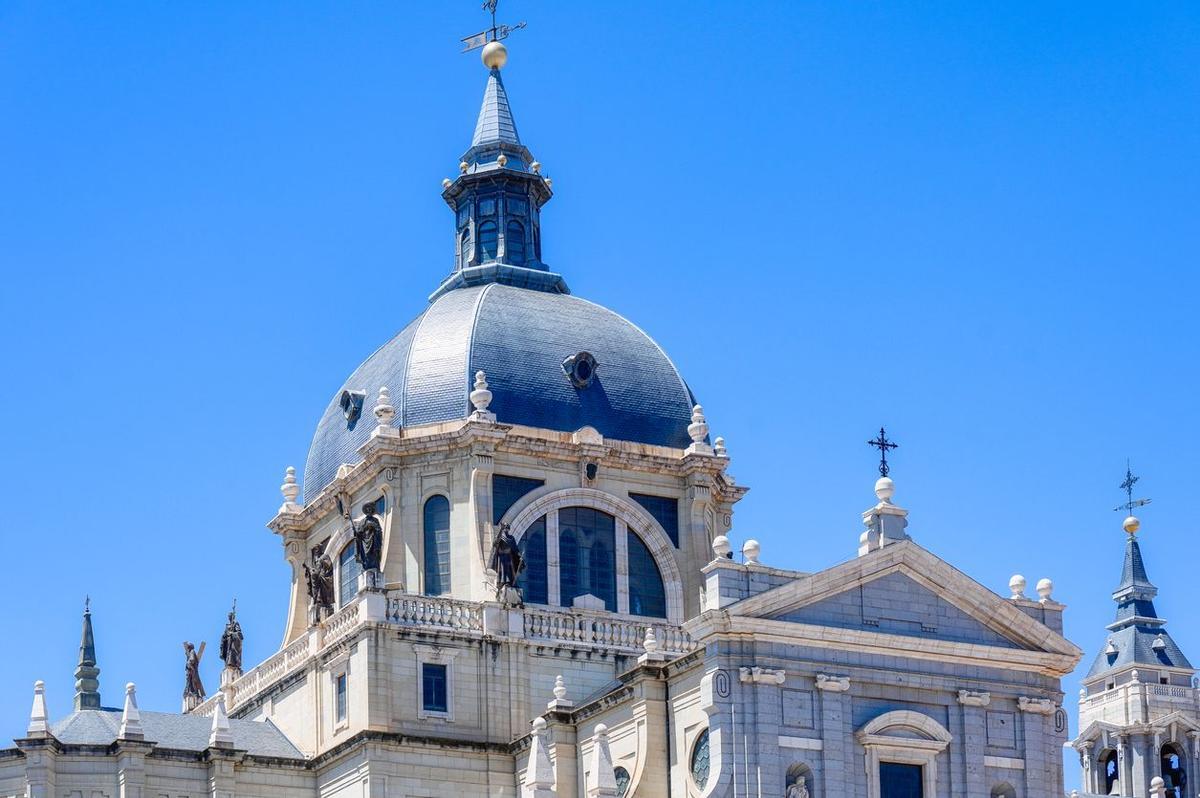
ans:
x=1127 y=486
x=493 y=34
x=883 y=445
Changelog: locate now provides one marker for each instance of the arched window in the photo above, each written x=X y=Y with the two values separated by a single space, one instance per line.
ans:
x=488 y=235
x=348 y=571
x=514 y=244
x=1112 y=774
x=1173 y=772
x=437 y=546
x=700 y=760
x=532 y=581
x=464 y=247
x=621 y=775
x=647 y=596
x=587 y=555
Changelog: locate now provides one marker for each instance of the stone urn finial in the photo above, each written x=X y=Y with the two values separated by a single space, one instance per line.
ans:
x=481 y=397
x=698 y=429
x=1017 y=585
x=290 y=488
x=384 y=412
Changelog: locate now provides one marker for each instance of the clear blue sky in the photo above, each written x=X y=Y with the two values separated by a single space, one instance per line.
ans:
x=974 y=223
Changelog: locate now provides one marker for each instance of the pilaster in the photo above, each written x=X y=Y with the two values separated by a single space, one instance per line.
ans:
x=837 y=771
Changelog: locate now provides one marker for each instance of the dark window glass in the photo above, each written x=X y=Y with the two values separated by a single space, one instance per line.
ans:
x=340 y=699
x=1110 y=772
x=437 y=546
x=700 y=760
x=534 y=585
x=433 y=688
x=514 y=244
x=587 y=555
x=348 y=571
x=899 y=781
x=622 y=777
x=665 y=511
x=646 y=593
x=507 y=491
x=487 y=242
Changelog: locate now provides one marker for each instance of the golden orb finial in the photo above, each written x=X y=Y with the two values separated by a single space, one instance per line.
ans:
x=1131 y=525
x=494 y=55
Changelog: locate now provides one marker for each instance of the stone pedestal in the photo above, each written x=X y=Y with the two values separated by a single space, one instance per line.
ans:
x=190 y=702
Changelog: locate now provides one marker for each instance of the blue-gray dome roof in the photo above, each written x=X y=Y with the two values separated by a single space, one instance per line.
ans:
x=519 y=338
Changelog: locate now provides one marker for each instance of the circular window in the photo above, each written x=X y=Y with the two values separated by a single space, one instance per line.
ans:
x=700 y=760
x=622 y=777
x=580 y=369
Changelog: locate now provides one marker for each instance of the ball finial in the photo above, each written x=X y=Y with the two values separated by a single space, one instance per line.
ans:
x=494 y=55
x=1131 y=525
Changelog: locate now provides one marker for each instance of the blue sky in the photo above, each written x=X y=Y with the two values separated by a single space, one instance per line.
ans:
x=974 y=223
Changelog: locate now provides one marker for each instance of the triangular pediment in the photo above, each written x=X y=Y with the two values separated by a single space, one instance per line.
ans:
x=902 y=589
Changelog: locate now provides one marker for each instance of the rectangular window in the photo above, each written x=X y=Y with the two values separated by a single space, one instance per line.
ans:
x=900 y=781
x=487 y=207
x=464 y=213
x=434 y=688
x=340 y=697
x=515 y=205
x=507 y=491
x=665 y=511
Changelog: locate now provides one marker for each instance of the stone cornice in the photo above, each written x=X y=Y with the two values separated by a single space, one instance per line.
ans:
x=721 y=625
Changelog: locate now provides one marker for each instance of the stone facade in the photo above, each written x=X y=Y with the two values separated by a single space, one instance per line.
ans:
x=654 y=664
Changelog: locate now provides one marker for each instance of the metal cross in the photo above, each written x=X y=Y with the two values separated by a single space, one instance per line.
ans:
x=492 y=34
x=1127 y=486
x=883 y=445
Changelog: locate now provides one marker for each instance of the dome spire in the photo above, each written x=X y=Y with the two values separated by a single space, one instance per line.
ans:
x=87 y=684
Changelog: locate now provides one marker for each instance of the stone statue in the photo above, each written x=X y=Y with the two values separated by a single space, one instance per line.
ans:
x=798 y=788
x=193 y=688
x=231 y=642
x=368 y=538
x=507 y=562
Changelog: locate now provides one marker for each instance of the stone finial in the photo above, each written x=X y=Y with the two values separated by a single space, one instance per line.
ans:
x=481 y=398
x=650 y=647
x=721 y=548
x=698 y=429
x=221 y=735
x=536 y=167
x=750 y=551
x=885 y=489
x=1017 y=585
x=719 y=447
x=560 y=702
x=549 y=183
x=39 y=720
x=1159 y=644
x=384 y=412
x=290 y=488
x=539 y=773
x=1082 y=694
x=1134 y=676
x=1045 y=589
x=601 y=778
x=1111 y=649
x=131 y=719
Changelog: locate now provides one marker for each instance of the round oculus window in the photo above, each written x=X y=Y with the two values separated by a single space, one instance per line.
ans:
x=580 y=369
x=622 y=777
x=700 y=760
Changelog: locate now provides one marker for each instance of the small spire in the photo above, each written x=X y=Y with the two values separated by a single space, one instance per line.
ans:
x=131 y=719
x=650 y=646
x=39 y=720
x=221 y=735
x=481 y=398
x=560 y=702
x=539 y=773
x=601 y=778
x=290 y=488
x=87 y=684
x=495 y=122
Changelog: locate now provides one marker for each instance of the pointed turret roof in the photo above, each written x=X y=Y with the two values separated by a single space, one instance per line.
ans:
x=87 y=684
x=495 y=123
x=1137 y=636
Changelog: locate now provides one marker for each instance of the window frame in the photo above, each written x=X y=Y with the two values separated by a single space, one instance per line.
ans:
x=444 y=589
x=431 y=655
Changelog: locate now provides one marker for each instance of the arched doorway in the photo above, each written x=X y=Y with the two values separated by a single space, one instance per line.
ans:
x=1174 y=772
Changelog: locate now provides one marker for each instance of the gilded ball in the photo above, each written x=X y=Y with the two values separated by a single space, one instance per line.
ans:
x=494 y=55
x=1131 y=525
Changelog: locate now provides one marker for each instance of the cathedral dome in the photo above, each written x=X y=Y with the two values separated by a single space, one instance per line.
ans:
x=529 y=343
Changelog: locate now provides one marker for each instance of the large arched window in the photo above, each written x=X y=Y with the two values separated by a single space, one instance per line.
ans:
x=533 y=581
x=437 y=545
x=587 y=555
x=1112 y=775
x=488 y=235
x=348 y=571
x=1173 y=771
x=514 y=244
x=647 y=596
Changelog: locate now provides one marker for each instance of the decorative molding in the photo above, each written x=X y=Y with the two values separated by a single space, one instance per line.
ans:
x=1037 y=706
x=1006 y=762
x=801 y=743
x=834 y=684
x=758 y=675
x=970 y=698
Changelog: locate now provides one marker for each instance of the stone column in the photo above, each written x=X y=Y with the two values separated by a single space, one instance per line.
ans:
x=1124 y=765
x=972 y=708
x=563 y=749
x=837 y=769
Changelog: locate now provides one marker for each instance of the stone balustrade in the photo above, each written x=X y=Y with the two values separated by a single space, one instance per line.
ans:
x=584 y=628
